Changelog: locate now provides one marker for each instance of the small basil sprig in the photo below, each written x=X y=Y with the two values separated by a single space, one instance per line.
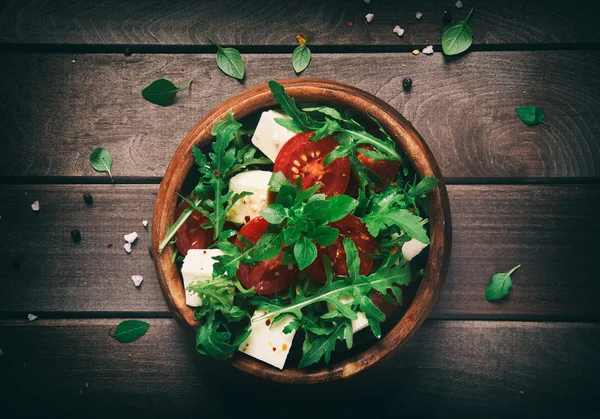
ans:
x=162 y=92
x=301 y=55
x=101 y=161
x=531 y=115
x=457 y=36
x=229 y=61
x=302 y=217
x=129 y=330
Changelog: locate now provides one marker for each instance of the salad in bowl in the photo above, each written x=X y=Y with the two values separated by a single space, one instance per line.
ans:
x=304 y=232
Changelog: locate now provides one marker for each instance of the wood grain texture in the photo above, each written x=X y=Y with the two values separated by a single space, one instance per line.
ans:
x=272 y=22
x=474 y=369
x=551 y=230
x=55 y=109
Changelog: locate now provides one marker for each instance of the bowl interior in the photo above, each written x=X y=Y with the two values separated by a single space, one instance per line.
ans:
x=179 y=176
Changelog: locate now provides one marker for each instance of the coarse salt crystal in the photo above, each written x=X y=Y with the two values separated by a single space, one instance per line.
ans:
x=398 y=30
x=137 y=279
x=131 y=237
x=127 y=247
x=32 y=317
x=145 y=223
x=369 y=17
x=35 y=206
x=459 y=4
x=367 y=1
x=428 y=50
x=419 y=15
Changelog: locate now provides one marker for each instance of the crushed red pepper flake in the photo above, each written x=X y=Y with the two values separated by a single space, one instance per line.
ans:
x=349 y=23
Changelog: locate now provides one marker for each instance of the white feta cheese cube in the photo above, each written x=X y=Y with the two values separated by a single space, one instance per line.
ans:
x=412 y=248
x=197 y=266
x=267 y=342
x=255 y=181
x=357 y=325
x=269 y=136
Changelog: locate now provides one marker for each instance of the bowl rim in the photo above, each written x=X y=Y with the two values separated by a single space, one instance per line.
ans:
x=258 y=98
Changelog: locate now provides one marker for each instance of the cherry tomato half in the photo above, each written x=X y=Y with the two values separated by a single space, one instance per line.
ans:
x=269 y=276
x=387 y=308
x=191 y=235
x=302 y=158
x=351 y=227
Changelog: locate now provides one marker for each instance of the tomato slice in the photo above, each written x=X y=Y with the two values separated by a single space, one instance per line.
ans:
x=387 y=308
x=351 y=227
x=302 y=158
x=387 y=170
x=270 y=276
x=191 y=235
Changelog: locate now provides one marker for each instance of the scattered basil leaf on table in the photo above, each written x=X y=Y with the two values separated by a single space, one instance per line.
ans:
x=229 y=61
x=499 y=285
x=162 y=92
x=101 y=161
x=129 y=330
x=531 y=115
x=301 y=56
x=457 y=36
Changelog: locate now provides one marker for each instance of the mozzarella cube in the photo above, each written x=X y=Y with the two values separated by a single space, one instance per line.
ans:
x=197 y=266
x=358 y=324
x=255 y=181
x=269 y=136
x=412 y=248
x=267 y=342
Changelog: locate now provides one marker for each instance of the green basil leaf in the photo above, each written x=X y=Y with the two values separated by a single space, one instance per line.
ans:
x=324 y=235
x=277 y=180
x=340 y=206
x=129 y=330
x=308 y=193
x=531 y=115
x=267 y=247
x=457 y=36
x=316 y=210
x=274 y=213
x=426 y=185
x=305 y=252
x=499 y=285
x=291 y=234
x=101 y=161
x=229 y=61
x=287 y=256
x=162 y=92
x=301 y=58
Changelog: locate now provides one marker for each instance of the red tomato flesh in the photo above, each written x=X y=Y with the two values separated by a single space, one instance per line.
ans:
x=302 y=158
x=387 y=170
x=191 y=235
x=353 y=228
x=270 y=276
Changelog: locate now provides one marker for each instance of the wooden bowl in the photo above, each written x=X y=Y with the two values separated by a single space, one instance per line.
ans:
x=332 y=93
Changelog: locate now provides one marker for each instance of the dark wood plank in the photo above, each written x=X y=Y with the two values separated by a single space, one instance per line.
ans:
x=550 y=230
x=55 y=109
x=449 y=368
x=272 y=22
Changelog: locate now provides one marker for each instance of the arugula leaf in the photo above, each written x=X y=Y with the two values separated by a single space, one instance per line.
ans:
x=267 y=247
x=216 y=339
x=301 y=58
x=457 y=36
x=531 y=115
x=229 y=61
x=305 y=252
x=324 y=110
x=352 y=259
x=322 y=347
x=129 y=330
x=101 y=161
x=500 y=284
x=162 y=92
x=289 y=107
x=291 y=124
x=426 y=185
x=402 y=218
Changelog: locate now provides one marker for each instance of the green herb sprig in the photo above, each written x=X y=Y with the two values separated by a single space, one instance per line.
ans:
x=301 y=55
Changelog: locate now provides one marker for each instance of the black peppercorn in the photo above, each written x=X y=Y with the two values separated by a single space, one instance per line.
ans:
x=127 y=51
x=76 y=235
x=150 y=252
x=87 y=198
x=407 y=83
x=447 y=16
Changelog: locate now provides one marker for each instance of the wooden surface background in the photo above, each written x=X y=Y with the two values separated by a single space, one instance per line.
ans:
x=519 y=194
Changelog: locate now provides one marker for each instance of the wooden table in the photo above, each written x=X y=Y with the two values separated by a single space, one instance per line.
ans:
x=72 y=75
